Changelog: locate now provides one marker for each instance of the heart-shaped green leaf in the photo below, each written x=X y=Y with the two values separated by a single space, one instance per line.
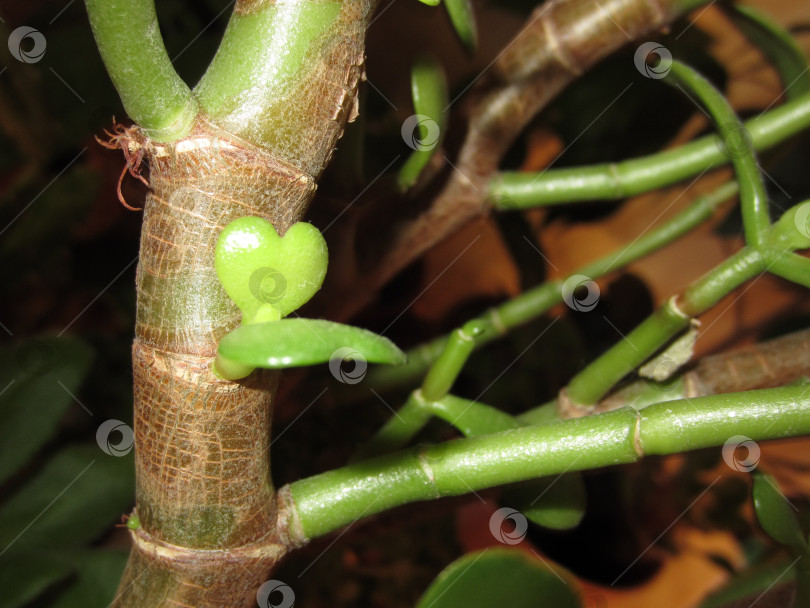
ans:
x=298 y=342
x=269 y=276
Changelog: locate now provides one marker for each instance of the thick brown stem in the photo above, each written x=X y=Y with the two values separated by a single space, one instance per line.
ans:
x=211 y=524
x=204 y=495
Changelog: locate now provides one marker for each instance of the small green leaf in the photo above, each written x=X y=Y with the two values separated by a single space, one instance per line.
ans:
x=266 y=275
x=431 y=2
x=298 y=342
x=77 y=496
x=463 y=19
x=25 y=576
x=776 y=515
x=557 y=503
x=36 y=382
x=423 y=132
x=500 y=577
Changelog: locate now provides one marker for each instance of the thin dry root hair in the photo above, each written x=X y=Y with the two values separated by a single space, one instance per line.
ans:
x=129 y=140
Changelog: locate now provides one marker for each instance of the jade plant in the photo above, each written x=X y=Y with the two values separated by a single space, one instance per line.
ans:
x=233 y=291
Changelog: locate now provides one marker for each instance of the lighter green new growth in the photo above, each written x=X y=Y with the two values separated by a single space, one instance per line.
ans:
x=266 y=275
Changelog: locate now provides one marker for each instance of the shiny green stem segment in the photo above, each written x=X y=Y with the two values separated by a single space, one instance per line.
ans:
x=261 y=53
x=615 y=181
x=593 y=383
x=336 y=498
x=448 y=366
x=535 y=302
x=736 y=144
x=129 y=40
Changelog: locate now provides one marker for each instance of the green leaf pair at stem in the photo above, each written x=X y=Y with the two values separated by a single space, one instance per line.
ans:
x=268 y=277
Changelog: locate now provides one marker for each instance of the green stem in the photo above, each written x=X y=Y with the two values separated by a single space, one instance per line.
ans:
x=791 y=266
x=471 y=417
x=614 y=181
x=336 y=498
x=776 y=43
x=154 y=96
x=539 y=300
x=736 y=144
x=399 y=430
x=592 y=383
x=256 y=67
x=447 y=367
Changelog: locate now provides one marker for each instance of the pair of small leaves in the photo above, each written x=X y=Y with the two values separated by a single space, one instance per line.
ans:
x=268 y=277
